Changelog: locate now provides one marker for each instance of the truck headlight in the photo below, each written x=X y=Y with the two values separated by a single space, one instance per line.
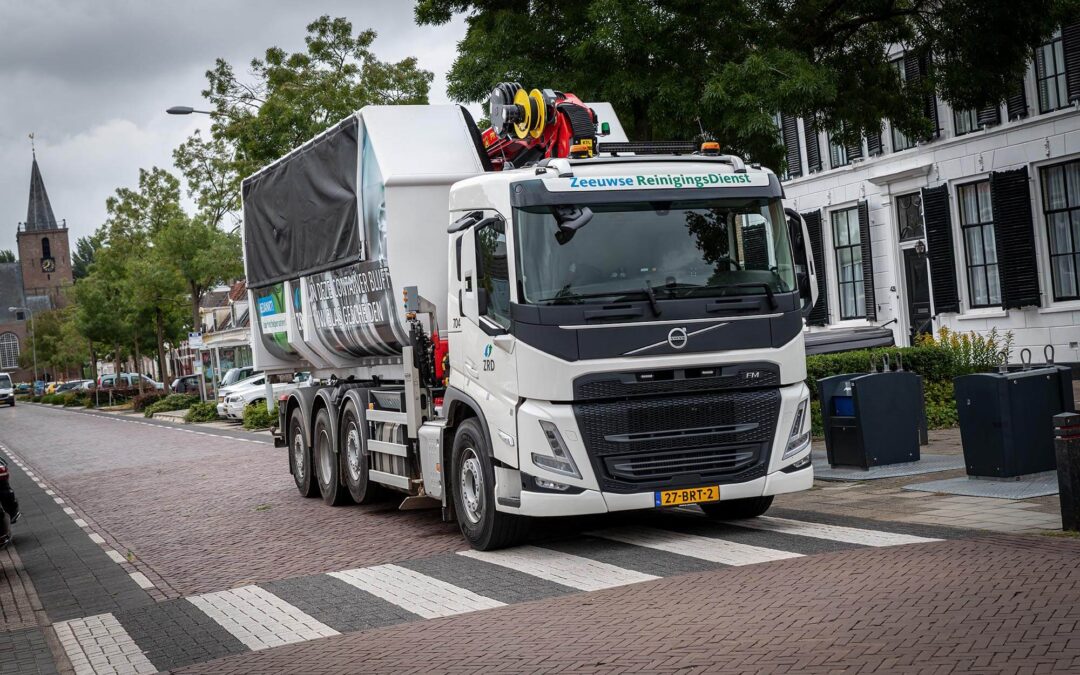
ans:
x=562 y=462
x=799 y=439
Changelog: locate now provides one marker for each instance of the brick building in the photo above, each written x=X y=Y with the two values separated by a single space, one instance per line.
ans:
x=37 y=281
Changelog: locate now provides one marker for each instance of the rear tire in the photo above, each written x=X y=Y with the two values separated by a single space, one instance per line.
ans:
x=356 y=460
x=737 y=509
x=300 y=457
x=326 y=461
x=473 y=485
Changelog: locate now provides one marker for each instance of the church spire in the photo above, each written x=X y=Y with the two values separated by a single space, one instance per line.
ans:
x=39 y=213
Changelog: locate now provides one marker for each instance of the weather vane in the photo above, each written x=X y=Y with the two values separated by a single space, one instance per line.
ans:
x=32 y=149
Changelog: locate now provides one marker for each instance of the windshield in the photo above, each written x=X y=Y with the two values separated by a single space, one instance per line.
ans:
x=672 y=249
x=5 y=381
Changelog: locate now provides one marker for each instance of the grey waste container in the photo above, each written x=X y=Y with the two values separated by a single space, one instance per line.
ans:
x=872 y=419
x=1007 y=419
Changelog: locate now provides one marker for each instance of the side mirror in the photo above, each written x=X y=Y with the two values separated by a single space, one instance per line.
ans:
x=805 y=274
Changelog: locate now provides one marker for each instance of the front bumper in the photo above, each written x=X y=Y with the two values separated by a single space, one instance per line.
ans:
x=547 y=504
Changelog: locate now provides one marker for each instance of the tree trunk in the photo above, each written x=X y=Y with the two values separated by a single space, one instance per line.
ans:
x=138 y=366
x=93 y=361
x=116 y=364
x=160 y=321
x=196 y=293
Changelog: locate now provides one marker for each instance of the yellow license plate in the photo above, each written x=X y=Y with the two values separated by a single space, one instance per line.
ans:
x=688 y=496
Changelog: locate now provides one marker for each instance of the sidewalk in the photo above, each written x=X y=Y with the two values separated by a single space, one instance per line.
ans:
x=884 y=499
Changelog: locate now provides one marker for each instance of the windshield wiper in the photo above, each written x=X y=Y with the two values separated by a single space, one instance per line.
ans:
x=651 y=294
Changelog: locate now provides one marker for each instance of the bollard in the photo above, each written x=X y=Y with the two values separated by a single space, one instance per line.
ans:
x=1067 y=450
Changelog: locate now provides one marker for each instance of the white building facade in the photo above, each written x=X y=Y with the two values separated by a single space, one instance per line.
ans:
x=975 y=228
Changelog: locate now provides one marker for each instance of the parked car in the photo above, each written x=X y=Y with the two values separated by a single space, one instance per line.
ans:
x=187 y=384
x=234 y=375
x=7 y=390
x=50 y=388
x=22 y=388
x=9 y=506
x=223 y=393
x=71 y=385
x=240 y=397
x=128 y=380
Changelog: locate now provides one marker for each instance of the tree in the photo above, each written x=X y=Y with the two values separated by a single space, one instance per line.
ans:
x=83 y=258
x=157 y=295
x=203 y=257
x=209 y=168
x=6 y=256
x=295 y=96
x=664 y=64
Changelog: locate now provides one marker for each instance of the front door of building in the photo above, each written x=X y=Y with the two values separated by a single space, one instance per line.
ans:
x=917 y=281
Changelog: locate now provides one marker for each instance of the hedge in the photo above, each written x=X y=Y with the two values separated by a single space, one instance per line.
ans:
x=257 y=417
x=202 y=412
x=142 y=401
x=938 y=360
x=172 y=402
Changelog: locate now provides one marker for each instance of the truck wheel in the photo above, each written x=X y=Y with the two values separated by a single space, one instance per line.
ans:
x=473 y=485
x=300 y=457
x=735 y=509
x=354 y=461
x=326 y=461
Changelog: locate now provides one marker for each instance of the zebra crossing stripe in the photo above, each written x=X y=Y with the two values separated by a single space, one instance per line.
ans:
x=100 y=645
x=260 y=619
x=705 y=548
x=415 y=592
x=562 y=568
x=848 y=535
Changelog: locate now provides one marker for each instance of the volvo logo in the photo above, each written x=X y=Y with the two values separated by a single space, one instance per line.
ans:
x=677 y=338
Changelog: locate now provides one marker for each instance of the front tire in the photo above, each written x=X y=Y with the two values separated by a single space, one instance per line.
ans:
x=326 y=461
x=484 y=527
x=355 y=460
x=737 y=509
x=300 y=457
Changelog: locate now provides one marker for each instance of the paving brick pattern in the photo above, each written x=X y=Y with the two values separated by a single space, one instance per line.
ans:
x=25 y=652
x=337 y=604
x=259 y=619
x=18 y=601
x=100 y=645
x=176 y=633
x=996 y=604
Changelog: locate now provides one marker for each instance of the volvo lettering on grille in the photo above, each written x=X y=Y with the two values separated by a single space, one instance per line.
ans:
x=677 y=338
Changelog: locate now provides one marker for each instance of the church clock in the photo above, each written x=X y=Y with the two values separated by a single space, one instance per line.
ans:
x=48 y=265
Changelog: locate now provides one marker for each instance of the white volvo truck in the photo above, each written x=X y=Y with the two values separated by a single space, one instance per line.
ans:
x=594 y=330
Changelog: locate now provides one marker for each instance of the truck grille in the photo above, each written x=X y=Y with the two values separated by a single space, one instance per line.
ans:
x=679 y=441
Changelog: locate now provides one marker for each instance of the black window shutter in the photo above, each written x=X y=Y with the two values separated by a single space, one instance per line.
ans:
x=1070 y=46
x=789 y=127
x=1014 y=233
x=813 y=148
x=989 y=116
x=819 y=315
x=1016 y=104
x=939 y=245
x=867 y=262
x=916 y=66
x=873 y=144
x=854 y=150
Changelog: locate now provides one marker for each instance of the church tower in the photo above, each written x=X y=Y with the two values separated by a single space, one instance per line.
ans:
x=44 y=253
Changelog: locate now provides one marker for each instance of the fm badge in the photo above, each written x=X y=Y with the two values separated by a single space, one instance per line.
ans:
x=677 y=338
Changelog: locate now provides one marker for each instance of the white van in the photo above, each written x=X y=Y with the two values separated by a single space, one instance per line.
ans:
x=7 y=390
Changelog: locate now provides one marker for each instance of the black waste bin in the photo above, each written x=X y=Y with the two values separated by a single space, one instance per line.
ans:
x=872 y=419
x=1007 y=419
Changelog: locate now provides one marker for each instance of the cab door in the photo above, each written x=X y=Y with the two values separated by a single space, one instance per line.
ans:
x=487 y=348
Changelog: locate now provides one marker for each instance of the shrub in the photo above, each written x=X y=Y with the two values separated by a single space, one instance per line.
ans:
x=172 y=402
x=257 y=417
x=142 y=401
x=75 y=398
x=202 y=412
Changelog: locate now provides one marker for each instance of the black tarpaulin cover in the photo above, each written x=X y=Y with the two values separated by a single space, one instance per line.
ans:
x=300 y=215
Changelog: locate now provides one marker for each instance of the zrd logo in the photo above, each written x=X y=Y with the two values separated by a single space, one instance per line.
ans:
x=677 y=338
x=487 y=351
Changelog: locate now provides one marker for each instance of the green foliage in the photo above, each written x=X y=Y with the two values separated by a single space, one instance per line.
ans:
x=201 y=255
x=739 y=63
x=83 y=257
x=257 y=417
x=143 y=401
x=202 y=412
x=6 y=256
x=172 y=402
x=937 y=360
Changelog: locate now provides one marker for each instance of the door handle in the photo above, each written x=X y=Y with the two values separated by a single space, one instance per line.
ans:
x=471 y=369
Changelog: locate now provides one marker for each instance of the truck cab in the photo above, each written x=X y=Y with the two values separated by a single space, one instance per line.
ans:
x=629 y=332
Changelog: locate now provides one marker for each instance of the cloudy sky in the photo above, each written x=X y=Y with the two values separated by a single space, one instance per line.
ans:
x=92 y=79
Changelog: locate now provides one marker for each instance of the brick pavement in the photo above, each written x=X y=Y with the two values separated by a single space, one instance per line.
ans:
x=993 y=604
x=25 y=652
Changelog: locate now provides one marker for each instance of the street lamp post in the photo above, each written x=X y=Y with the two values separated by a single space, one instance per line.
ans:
x=33 y=338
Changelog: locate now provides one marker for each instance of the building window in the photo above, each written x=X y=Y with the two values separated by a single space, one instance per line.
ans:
x=900 y=140
x=1050 y=74
x=909 y=218
x=9 y=351
x=46 y=249
x=1061 y=205
x=849 y=272
x=965 y=121
x=980 y=249
x=838 y=154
